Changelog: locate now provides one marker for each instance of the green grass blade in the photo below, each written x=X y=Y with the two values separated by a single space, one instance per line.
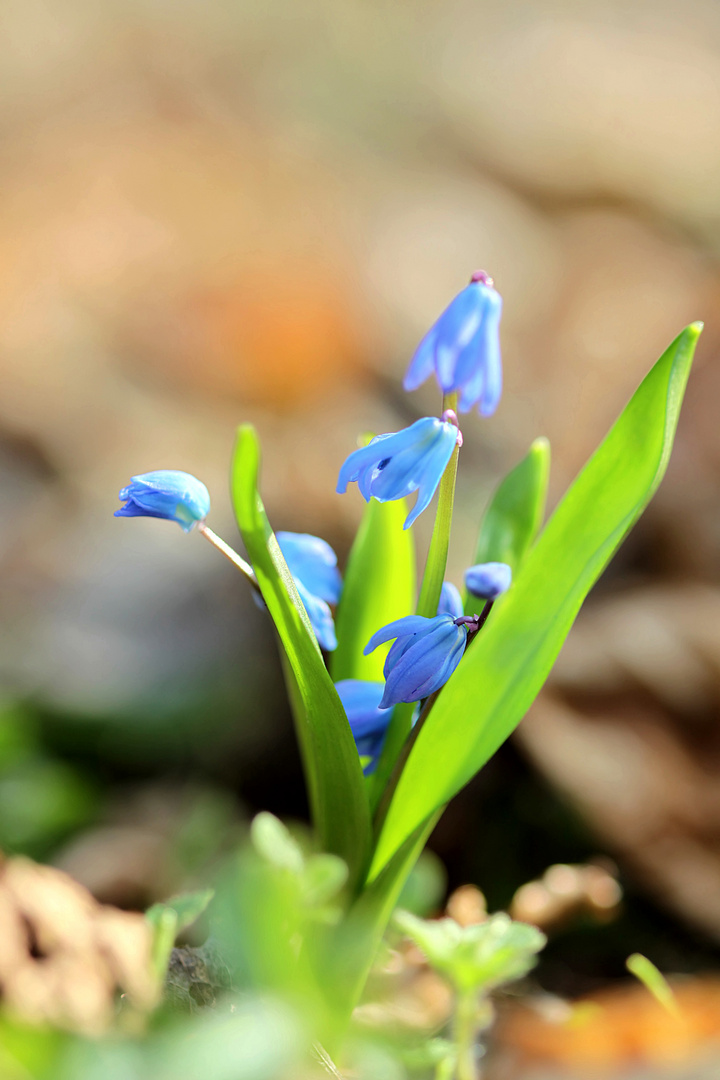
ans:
x=332 y=767
x=379 y=587
x=654 y=981
x=503 y=671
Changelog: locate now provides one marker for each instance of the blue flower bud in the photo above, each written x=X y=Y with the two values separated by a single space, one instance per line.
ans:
x=488 y=580
x=463 y=348
x=424 y=656
x=168 y=494
x=394 y=465
x=313 y=565
x=450 y=601
x=368 y=722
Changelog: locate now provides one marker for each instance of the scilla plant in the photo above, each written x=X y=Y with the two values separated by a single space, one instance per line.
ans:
x=390 y=733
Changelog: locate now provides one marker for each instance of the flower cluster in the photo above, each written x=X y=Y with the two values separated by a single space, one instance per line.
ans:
x=462 y=350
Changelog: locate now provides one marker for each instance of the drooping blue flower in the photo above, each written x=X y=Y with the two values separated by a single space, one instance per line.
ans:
x=462 y=348
x=394 y=465
x=166 y=493
x=424 y=656
x=313 y=565
x=488 y=580
x=450 y=601
x=368 y=722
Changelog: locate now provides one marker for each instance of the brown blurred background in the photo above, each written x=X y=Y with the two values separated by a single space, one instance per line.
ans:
x=213 y=212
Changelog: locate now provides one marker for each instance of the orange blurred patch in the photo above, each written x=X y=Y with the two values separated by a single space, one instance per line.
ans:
x=615 y=1028
x=276 y=336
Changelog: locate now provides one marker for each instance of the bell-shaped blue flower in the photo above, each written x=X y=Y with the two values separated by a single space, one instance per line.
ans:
x=394 y=465
x=313 y=565
x=368 y=722
x=424 y=656
x=450 y=601
x=488 y=580
x=462 y=348
x=166 y=493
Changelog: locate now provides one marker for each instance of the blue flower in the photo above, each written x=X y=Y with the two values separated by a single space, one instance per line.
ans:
x=368 y=722
x=488 y=580
x=424 y=656
x=313 y=565
x=394 y=465
x=463 y=348
x=450 y=601
x=166 y=493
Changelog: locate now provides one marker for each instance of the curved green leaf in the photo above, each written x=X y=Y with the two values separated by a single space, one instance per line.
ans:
x=515 y=512
x=379 y=587
x=332 y=766
x=352 y=946
x=503 y=671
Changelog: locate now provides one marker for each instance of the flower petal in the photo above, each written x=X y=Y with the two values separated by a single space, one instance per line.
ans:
x=422 y=364
x=410 y=624
x=169 y=494
x=434 y=466
x=361 y=702
x=427 y=664
x=450 y=601
x=320 y=617
x=397 y=649
x=454 y=330
x=314 y=562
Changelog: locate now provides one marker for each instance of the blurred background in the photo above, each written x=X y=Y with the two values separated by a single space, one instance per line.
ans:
x=238 y=211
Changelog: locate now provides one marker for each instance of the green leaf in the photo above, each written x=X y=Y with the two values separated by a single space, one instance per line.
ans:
x=504 y=669
x=273 y=841
x=324 y=877
x=356 y=940
x=379 y=587
x=319 y=877
x=426 y=886
x=478 y=957
x=515 y=513
x=335 y=782
x=169 y=919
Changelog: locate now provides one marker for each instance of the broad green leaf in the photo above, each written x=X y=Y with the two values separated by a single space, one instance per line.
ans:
x=335 y=782
x=379 y=587
x=515 y=512
x=505 y=668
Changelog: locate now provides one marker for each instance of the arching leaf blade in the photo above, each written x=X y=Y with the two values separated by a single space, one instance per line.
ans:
x=332 y=766
x=503 y=671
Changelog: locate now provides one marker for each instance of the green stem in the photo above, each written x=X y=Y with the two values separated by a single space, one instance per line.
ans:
x=437 y=554
x=237 y=560
x=464 y=1032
